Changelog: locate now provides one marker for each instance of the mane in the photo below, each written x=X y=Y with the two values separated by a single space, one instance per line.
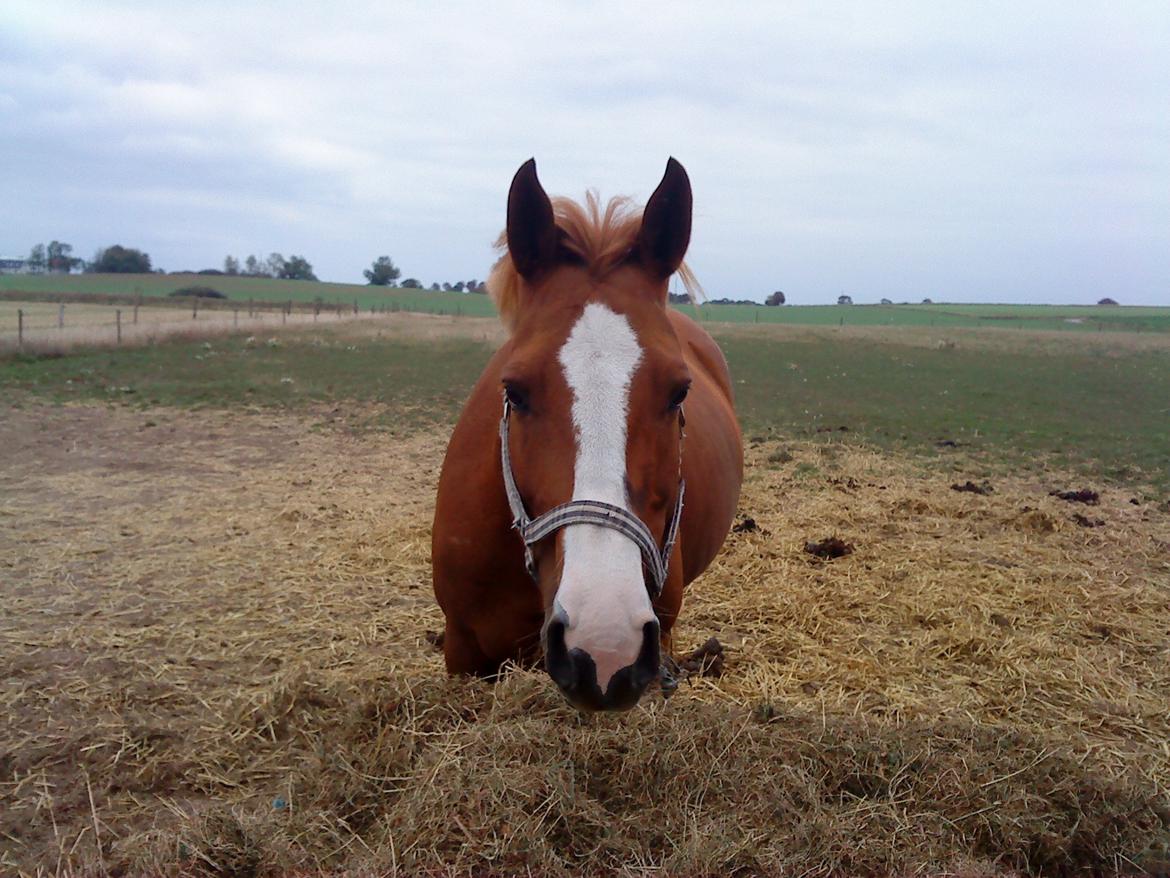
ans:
x=601 y=238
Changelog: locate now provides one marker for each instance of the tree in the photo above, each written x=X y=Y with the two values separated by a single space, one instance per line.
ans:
x=886 y=302
x=446 y=286
x=295 y=268
x=231 y=265
x=120 y=260
x=458 y=287
x=844 y=300
x=253 y=267
x=411 y=283
x=927 y=302
x=435 y=287
x=275 y=265
x=1106 y=302
x=37 y=259
x=777 y=298
x=60 y=259
x=383 y=272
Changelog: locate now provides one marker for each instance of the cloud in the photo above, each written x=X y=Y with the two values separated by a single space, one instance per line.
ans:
x=907 y=150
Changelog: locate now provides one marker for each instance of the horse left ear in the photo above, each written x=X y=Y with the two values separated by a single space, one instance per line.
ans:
x=666 y=223
x=533 y=240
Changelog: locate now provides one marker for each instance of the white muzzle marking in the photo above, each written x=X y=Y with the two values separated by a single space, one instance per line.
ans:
x=602 y=591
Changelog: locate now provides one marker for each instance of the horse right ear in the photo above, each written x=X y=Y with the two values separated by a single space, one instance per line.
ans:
x=533 y=240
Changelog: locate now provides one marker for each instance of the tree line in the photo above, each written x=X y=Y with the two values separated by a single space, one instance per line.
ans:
x=57 y=257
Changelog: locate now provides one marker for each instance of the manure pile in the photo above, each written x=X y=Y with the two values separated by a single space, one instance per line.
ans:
x=214 y=659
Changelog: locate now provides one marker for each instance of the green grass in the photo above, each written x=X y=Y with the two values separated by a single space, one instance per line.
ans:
x=1081 y=318
x=241 y=289
x=364 y=383
x=1073 y=318
x=1105 y=411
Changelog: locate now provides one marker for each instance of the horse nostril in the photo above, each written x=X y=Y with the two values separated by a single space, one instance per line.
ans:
x=557 y=660
x=648 y=663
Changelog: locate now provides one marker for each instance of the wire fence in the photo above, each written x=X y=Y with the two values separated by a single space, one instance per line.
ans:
x=58 y=327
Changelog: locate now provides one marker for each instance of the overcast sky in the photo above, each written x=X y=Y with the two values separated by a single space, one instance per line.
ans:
x=997 y=152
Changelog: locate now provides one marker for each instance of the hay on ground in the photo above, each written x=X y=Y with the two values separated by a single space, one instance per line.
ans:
x=214 y=658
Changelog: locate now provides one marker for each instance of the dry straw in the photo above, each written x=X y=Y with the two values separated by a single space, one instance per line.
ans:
x=216 y=626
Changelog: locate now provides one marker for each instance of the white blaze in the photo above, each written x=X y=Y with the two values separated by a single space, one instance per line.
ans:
x=602 y=592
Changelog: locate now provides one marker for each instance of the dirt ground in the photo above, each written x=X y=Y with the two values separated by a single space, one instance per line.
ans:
x=169 y=577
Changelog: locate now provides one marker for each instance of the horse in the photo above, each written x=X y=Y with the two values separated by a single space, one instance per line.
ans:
x=576 y=499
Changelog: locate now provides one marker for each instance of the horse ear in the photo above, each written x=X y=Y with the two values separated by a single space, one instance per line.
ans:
x=666 y=223
x=532 y=232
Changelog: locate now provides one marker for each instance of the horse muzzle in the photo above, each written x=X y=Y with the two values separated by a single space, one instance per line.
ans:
x=574 y=669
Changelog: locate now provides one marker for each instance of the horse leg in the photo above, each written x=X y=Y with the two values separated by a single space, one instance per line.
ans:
x=463 y=655
x=483 y=651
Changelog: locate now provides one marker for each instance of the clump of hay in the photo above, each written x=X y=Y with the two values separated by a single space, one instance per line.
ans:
x=460 y=777
x=233 y=676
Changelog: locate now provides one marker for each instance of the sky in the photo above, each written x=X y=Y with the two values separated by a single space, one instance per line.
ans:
x=982 y=152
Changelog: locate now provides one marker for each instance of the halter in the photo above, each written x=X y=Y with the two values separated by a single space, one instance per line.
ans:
x=533 y=530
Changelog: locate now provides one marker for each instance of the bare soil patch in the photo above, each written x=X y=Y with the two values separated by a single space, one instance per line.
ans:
x=214 y=625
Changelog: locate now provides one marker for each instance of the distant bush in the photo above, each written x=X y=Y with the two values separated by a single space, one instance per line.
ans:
x=844 y=300
x=1107 y=302
x=198 y=292
x=120 y=260
x=777 y=298
x=213 y=271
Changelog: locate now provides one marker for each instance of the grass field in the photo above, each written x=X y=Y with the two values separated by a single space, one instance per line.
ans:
x=1090 y=318
x=1099 y=408
x=214 y=649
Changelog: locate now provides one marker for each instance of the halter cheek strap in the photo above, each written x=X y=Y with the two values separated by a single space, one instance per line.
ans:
x=533 y=530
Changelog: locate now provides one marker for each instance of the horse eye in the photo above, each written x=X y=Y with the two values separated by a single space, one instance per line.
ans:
x=517 y=397
x=680 y=395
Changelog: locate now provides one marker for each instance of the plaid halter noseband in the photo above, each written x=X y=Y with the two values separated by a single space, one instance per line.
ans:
x=533 y=530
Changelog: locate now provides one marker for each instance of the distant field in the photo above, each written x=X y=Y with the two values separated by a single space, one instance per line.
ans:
x=241 y=289
x=1028 y=401
x=1084 y=318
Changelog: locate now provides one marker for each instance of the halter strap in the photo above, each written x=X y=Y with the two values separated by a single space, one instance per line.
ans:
x=533 y=530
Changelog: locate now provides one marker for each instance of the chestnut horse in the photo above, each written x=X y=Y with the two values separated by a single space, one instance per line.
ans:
x=573 y=508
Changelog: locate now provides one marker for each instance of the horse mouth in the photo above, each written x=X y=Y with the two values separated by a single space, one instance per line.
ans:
x=575 y=672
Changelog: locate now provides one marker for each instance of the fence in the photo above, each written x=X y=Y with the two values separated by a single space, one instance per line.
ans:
x=45 y=327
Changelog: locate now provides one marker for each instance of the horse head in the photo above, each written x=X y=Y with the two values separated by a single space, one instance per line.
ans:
x=594 y=386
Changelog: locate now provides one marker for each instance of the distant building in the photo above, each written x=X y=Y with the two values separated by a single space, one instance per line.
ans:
x=14 y=266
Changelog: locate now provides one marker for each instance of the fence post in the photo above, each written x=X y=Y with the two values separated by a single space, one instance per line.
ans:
x=235 y=316
x=118 y=323
x=194 y=308
x=250 y=308
x=136 y=304
x=20 y=327
x=61 y=316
